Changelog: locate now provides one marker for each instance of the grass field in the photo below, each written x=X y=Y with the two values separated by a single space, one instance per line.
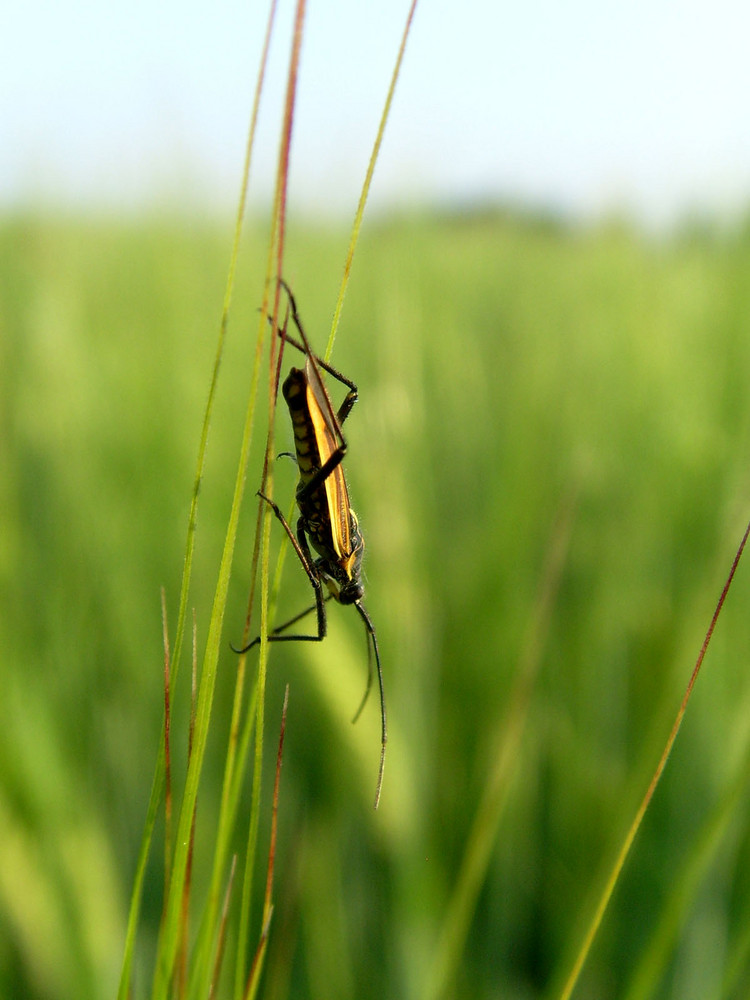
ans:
x=513 y=374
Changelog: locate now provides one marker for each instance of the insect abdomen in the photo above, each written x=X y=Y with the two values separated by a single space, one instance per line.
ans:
x=294 y=390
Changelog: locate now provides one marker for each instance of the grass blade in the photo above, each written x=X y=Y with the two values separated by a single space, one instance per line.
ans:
x=367 y=182
x=630 y=836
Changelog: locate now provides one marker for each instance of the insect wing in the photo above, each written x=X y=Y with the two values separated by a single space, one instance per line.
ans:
x=327 y=437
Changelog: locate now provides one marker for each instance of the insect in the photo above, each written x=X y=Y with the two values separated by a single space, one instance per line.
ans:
x=326 y=520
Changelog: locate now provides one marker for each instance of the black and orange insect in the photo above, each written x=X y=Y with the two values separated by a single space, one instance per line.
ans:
x=326 y=520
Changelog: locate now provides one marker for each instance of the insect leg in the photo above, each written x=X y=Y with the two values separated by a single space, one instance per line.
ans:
x=353 y=395
x=299 y=542
x=275 y=634
x=313 y=485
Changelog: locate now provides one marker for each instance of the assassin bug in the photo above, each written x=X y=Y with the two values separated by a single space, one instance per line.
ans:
x=326 y=520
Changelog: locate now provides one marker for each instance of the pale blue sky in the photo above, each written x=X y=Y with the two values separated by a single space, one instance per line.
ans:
x=580 y=104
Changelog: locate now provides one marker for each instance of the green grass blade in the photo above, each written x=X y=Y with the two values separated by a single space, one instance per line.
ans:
x=357 y=225
x=276 y=246
x=649 y=970
x=487 y=819
x=635 y=825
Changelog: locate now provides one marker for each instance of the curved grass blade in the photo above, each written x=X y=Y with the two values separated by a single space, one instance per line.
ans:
x=257 y=964
x=276 y=247
x=367 y=182
x=650 y=968
x=596 y=920
x=222 y=931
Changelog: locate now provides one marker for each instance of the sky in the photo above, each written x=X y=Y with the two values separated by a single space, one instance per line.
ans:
x=579 y=106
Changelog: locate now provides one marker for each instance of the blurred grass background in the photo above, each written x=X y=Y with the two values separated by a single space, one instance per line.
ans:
x=504 y=362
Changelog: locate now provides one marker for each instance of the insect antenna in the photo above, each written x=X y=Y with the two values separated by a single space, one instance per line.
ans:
x=368 y=686
x=383 y=724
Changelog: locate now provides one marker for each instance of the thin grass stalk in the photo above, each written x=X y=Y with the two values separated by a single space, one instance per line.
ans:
x=227 y=811
x=221 y=941
x=630 y=836
x=254 y=975
x=357 y=225
x=124 y=989
x=260 y=954
x=257 y=723
x=183 y=958
x=650 y=968
x=167 y=755
x=276 y=245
